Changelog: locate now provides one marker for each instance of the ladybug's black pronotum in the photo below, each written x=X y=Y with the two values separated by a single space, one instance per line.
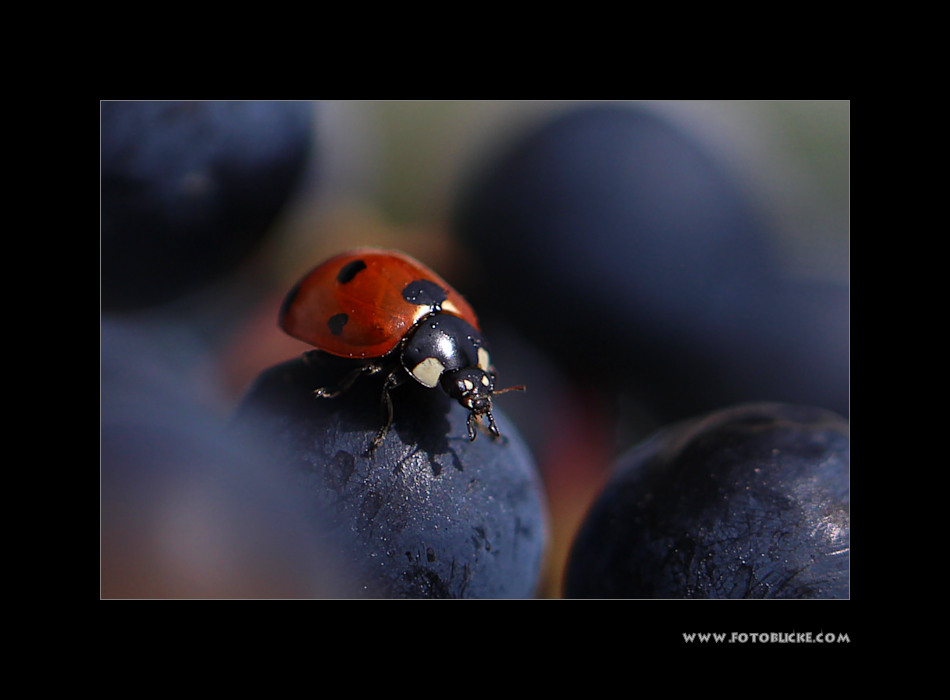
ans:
x=389 y=313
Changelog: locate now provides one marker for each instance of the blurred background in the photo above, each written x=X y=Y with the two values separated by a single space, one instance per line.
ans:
x=634 y=263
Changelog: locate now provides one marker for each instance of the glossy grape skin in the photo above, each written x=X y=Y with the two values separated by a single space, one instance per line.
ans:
x=428 y=514
x=746 y=502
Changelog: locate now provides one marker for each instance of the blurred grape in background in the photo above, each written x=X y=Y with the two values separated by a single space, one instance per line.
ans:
x=189 y=189
x=619 y=243
x=189 y=192
x=635 y=264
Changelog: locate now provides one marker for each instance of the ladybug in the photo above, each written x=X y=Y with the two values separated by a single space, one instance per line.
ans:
x=389 y=313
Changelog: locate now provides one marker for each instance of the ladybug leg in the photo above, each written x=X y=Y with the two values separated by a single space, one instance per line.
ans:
x=471 y=426
x=492 y=428
x=395 y=378
x=329 y=392
x=474 y=419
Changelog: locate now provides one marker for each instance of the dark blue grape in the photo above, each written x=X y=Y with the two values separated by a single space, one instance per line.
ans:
x=429 y=514
x=746 y=502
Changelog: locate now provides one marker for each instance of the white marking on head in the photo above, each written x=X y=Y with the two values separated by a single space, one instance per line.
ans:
x=485 y=380
x=428 y=372
x=450 y=307
x=484 y=361
x=468 y=384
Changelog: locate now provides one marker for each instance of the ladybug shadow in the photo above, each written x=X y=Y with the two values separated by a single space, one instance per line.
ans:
x=425 y=420
x=423 y=423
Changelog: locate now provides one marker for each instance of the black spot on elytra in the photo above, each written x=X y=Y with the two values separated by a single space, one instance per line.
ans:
x=337 y=322
x=424 y=293
x=349 y=271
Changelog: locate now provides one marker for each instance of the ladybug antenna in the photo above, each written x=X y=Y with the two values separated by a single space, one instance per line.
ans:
x=520 y=387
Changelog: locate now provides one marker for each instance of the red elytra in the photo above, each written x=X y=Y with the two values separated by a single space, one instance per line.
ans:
x=361 y=304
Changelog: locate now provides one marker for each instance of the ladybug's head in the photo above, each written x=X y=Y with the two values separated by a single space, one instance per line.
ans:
x=473 y=388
